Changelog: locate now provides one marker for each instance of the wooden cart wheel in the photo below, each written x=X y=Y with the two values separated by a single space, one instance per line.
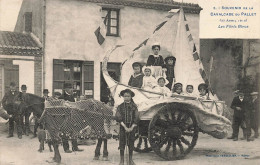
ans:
x=173 y=131
x=142 y=144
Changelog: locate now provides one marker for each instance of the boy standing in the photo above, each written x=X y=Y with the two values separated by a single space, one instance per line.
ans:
x=127 y=116
x=136 y=80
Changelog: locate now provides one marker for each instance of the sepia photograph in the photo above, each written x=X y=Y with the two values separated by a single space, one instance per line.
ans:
x=129 y=82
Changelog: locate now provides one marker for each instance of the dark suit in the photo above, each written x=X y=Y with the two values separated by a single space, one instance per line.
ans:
x=239 y=115
x=65 y=142
x=8 y=104
x=254 y=116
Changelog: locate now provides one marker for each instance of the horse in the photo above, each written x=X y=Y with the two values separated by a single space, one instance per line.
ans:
x=95 y=114
x=35 y=104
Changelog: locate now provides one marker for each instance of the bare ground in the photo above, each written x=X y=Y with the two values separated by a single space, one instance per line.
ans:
x=208 y=151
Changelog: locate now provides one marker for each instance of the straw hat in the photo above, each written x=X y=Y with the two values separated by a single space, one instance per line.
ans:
x=127 y=91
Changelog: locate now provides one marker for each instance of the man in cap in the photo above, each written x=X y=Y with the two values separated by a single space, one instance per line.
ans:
x=8 y=104
x=68 y=96
x=255 y=113
x=239 y=105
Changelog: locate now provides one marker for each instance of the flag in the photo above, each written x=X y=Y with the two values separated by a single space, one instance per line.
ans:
x=159 y=26
x=187 y=27
x=190 y=37
x=100 y=32
x=140 y=45
x=211 y=64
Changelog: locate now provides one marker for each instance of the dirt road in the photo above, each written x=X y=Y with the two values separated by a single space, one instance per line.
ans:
x=208 y=151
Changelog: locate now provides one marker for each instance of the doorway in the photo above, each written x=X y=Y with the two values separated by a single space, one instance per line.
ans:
x=114 y=71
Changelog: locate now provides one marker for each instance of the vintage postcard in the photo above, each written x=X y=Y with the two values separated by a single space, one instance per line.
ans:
x=145 y=82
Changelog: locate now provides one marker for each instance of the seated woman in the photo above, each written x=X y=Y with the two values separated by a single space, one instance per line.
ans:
x=149 y=82
x=156 y=60
x=204 y=92
x=177 y=89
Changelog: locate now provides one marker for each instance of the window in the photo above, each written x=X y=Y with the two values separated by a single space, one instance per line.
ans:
x=80 y=74
x=28 y=22
x=111 y=17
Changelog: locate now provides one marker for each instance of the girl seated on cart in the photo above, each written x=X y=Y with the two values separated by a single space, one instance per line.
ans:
x=204 y=92
x=161 y=88
x=177 y=89
x=149 y=82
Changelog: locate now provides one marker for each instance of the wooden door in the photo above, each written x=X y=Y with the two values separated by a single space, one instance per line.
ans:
x=88 y=79
x=11 y=74
x=114 y=71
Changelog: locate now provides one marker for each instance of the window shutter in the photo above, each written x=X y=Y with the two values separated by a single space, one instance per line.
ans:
x=58 y=74
x=88 y=78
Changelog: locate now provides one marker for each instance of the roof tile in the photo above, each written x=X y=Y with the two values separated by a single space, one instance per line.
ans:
x=18 y=43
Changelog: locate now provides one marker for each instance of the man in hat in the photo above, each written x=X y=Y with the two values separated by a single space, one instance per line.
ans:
x=24 y=88
x=255 y=113
x=26 y=127
x=8 y=104
x=239 y=105
x=46 y=94
x=68 y=96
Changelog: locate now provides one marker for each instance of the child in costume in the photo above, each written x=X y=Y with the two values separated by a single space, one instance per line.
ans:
x=177 y=89
x=149 y=82
x=136 y=80
x=189 y=91
x=169 y=65
x=161 y=88
x=127 y=116
x=203 y=89
x=156 y=60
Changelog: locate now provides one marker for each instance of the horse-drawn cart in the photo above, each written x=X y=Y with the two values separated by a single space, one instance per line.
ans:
x=168 y=125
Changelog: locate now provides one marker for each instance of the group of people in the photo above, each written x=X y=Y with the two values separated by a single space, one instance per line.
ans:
x=126 y=115
x=17 y=116
x=246 y=115
x=158 y=76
